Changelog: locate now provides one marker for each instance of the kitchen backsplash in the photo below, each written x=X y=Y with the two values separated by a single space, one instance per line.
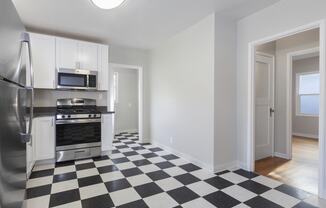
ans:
x=48 y=98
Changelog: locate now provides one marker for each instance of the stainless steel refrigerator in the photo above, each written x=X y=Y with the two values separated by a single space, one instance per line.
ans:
x=16 y=105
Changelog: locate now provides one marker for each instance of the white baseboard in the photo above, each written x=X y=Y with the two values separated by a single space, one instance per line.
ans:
x=243 y=165
x=187 y=157
x=306 y=135
x=281 y=155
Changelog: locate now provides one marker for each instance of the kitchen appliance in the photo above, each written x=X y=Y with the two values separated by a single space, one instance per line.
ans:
x=78 y=129
x=16 y=105
x=76 y=79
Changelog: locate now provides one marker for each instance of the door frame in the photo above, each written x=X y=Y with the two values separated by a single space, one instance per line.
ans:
x=289 y=100
x=250 y=153
x=273 y=94
x=140 y=95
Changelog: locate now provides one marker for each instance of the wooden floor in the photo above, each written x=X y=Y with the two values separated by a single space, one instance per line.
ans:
x=301 y=171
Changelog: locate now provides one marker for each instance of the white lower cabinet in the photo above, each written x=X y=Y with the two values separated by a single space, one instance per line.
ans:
x=107 y=131
x=43 y=138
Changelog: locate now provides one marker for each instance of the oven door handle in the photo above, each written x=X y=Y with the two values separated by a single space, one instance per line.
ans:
x=77 y=121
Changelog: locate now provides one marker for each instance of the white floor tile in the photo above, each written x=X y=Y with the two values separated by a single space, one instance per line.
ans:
x=124 y=196
x=139 y=180
x=162 y=153
x=203 y=174
x=233 y=177
x=65 y=169
x=76 y=204
x=175 y=171
x=103 y=163
x=241 y=206
x=200 y=202
x=126 y=150
x=83 y=161
x=39 y=181
x=112 y=176
x=239 y=193
x=87 y=173
x=135 y=157
x=118 y=155
x=37 y=202
x=43 y=167
x=179 y=162
x=92 y=191
x=202 y=188
x=144 y=151
x=267 y=181
x=64 y=186
x=280 y=198
x=126 y=165
x=169 y=184
x=148 y=168
x=162 y=200
x=157 y=159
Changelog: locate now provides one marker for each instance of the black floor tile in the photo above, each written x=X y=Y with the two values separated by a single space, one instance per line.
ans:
x=155 y=149
x=104 y=157
x=64 y=197
x=91 y=180
x=117 y=185
x=222 y=172
x=120 y=160
x=183 y=195
x=64 y=177
x=141 y=162
x=121 y=146
x=138 y=148
x=131 y=172
x=127 y=154
x=254 y=187
x=259 y=201
x=107 y=169
x=149 y=155
x=63 y=164
x=164 y=165
x=222 y=200
x=158 y=175
x=246 y=174
x=42 y=173
x=170 y=157
x=190 y=167
x=103 y=201
x=131 y=142
x=304 y=205
x=135 y=204
x=297 y=193
x=85 y=166
x=115 y=151
x=219 y=182
x=38 y=191
x=148 y=189
x=187 y=178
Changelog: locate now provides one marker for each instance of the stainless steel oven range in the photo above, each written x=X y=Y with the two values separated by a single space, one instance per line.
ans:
x=78 y=129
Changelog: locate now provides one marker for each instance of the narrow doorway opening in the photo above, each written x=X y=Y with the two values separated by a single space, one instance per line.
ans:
x=286 y=109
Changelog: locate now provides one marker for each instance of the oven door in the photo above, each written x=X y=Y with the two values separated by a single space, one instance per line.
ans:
x=74 y=134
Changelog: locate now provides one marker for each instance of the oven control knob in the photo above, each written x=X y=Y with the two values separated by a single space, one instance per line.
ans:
x=63 y=116
x=89 y=115
x=94 y=115
x=69 y=116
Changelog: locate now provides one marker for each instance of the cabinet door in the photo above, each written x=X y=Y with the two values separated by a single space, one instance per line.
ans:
x=88 y=55
x=107 y=131
x=43 y=56
x=67 y=53
x=30 y=161
x=103 y=73
x=44 y=138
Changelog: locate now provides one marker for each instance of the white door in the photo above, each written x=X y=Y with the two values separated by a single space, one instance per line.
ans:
x=264 y=106
x=88 y=55
x=67 y=53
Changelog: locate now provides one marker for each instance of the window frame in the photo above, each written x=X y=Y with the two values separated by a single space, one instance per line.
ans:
x=297 y=85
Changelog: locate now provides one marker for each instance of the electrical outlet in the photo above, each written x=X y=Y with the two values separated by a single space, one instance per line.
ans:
x=171 y=140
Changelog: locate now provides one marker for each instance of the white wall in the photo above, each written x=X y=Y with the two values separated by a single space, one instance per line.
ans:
x=282 y=16
x=126 y=109
x=138 y=57
x=302 y=41
x=304 y=125
x=48 y=98
x=225 y=93
x=182 y=93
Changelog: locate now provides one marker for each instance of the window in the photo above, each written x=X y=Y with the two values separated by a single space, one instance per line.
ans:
x=115 y=86
x=308 y=90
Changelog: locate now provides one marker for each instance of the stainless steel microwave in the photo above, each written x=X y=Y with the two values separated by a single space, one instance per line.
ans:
x=76 y=79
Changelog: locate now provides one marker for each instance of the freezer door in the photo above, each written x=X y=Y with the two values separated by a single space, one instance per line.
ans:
x=14 y=111
x=12 y=41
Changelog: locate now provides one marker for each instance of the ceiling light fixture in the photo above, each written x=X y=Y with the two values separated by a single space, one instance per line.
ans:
x=107 y=4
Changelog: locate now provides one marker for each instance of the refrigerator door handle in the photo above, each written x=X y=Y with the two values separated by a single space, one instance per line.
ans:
x=31 y=89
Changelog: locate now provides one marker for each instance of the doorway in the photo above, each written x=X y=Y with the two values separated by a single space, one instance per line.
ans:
x=126 y=99
x=286 y=109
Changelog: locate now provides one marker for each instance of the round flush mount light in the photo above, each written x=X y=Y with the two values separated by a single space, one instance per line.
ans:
x=107 y=4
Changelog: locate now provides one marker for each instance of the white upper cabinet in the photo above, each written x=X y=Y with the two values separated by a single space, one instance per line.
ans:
x=103 y=73
x=88 y=55
x=67 y=53
x=43 y=60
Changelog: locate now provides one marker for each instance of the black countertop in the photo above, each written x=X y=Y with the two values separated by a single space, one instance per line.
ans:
x=51 y=111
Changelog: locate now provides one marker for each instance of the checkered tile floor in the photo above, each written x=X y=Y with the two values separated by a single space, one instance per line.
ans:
x=141 y=175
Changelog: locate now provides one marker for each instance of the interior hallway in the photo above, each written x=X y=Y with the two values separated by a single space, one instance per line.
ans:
x=301 y=171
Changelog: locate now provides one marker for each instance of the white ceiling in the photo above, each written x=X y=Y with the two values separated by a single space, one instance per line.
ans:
x=137 y=23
